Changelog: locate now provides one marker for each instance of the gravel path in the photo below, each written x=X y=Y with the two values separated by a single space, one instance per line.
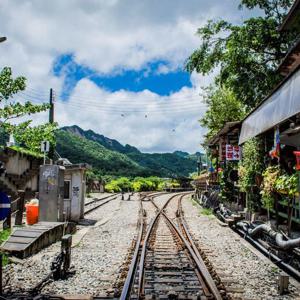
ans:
x=97 y=258
x=245 y=274
x=162 y=199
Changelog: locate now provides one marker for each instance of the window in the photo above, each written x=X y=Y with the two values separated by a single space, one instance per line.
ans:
x=67 y=185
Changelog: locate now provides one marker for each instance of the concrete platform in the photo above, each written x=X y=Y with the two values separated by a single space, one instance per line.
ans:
x=26 y=241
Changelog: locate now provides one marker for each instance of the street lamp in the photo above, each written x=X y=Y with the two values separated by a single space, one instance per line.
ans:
x=3 y=39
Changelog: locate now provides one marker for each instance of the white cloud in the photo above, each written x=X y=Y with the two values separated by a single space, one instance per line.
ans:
x=107 y=35
x=145 y=120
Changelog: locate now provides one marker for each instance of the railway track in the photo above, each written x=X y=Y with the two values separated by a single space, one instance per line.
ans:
x=166 y=263
x=98 y=202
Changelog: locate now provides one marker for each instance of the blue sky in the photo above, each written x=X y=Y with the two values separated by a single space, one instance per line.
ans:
x=99 y=55
x=155 y=76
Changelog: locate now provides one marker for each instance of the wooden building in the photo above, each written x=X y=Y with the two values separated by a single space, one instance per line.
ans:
x=277 y=118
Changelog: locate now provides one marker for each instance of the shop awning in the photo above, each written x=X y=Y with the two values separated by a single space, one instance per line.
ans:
x=283 y=103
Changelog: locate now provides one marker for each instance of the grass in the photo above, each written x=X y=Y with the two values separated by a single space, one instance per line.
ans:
x=206 y=211
x=4 y=234
x=202 y=211
x=274 y=269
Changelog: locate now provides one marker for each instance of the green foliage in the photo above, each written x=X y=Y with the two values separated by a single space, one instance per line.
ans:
x=31 y=137
x=252 y=163
x=248 y=54
x=206 y=211
x=147 y=184
x=251 y=166
x=287 y=184
x=272 y=9
x=223 y=107
x=117 y=185
x=277 y=181
x=10 y=86
x=93 y=174
x=71 y=141
x=270 y=176
x=4 y=234
x=78 y=149
x=27 y=136
x=137 y=184
x=165 y=164
x=27 y=151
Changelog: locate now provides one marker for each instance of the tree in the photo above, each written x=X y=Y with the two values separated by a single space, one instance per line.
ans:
x=248 y=54
x=222 y=107
x=31 y=137
x=10 y=110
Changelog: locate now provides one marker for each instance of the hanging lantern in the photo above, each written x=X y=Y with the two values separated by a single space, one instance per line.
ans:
x=297 y=154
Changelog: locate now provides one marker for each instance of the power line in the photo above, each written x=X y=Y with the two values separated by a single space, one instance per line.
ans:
x=124 y=111
x=157 y=105
x=113 y=96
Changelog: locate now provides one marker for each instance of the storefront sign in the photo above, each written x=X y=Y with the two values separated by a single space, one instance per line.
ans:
x=233 y=152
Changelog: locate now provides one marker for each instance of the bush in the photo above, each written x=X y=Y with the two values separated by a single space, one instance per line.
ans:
x=138 y=184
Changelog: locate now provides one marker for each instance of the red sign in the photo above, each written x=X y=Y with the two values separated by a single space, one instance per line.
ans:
x=233 y=152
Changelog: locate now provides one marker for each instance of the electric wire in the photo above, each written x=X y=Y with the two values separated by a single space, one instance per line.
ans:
x=122 y=107
x=113 y=96
x=111 y=105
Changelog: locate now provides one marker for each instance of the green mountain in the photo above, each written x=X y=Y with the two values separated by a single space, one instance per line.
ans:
x=112 y=158
x=80 y=149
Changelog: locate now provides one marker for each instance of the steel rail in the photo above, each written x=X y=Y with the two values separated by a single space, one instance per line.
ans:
x=148 y=233
x=144 y=242
x=133 y=265
x=201 y=264
x=99 y=205
x=98 y=199
x=132 y=268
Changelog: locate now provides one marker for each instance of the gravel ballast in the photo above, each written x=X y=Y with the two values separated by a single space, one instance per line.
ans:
x=97 y=256
x=246 y=273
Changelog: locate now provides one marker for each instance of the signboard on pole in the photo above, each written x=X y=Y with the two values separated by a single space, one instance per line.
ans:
x=233 y=152
x=4 y=206
x=45 y=146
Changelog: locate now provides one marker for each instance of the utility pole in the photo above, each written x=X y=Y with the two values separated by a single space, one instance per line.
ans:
x=199 y=164
x=51 y=121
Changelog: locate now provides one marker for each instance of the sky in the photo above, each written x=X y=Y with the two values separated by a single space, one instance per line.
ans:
x=116 y=66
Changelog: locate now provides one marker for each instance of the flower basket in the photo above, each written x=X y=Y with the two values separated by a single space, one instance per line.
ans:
x=297 y=154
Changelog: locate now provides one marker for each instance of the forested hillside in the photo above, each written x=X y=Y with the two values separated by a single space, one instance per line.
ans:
x=79 y=149
x=112 y=158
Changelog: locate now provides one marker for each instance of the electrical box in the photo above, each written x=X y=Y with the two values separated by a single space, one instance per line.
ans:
x=51 y=193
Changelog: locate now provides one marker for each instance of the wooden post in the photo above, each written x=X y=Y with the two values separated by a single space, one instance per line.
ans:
x=283 y=283
x=20 y=208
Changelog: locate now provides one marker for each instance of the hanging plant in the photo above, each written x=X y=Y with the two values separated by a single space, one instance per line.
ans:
x=227 y=190
x=270 y=176
x=287 y=185
x=251 y=165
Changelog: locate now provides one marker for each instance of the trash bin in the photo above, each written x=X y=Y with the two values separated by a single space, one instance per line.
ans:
x=32 y=213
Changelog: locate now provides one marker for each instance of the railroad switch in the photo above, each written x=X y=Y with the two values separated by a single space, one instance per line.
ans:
x=61 y=264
